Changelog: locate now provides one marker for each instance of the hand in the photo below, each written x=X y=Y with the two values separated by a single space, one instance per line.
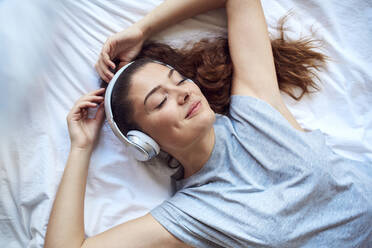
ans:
x=83 y=131
x=124 y=46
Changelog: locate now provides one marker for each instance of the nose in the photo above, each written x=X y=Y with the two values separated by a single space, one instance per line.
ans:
x=183 y=97
x=181 y=94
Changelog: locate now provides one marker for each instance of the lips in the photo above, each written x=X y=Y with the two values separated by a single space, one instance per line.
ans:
x=193 y=108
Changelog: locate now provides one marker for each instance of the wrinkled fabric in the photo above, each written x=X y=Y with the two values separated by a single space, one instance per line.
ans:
x=267 y=184
x=119 y=188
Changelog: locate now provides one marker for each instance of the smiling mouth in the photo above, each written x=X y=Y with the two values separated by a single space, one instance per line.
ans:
x=193 y=109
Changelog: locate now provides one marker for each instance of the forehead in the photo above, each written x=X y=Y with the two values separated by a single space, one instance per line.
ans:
x=144 y=80
x=148 y=77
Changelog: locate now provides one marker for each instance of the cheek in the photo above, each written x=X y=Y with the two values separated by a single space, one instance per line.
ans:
x=164 y=126
x=171 y=133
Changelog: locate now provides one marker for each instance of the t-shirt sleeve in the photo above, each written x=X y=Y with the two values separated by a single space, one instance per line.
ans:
x=257 y=122
x=257 y=112
x=182 y=225
x=262 y=116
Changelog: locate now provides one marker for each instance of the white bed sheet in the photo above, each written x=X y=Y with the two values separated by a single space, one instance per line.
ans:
x=119 y=188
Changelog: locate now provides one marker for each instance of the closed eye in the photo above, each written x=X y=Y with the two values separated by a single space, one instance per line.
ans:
x=183 y=80
x=165 y=98
x=161 y=104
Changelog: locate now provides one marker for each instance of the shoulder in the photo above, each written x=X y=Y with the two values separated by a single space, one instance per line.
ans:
x=252 y=101
x=270 y=110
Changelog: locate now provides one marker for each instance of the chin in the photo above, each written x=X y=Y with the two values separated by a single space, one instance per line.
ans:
x=204 y=123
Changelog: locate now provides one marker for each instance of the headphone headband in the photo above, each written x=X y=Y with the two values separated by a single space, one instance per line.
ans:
x=108 y=109
x=144 y=149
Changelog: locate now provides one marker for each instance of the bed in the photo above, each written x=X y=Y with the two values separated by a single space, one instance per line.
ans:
x=33 y=156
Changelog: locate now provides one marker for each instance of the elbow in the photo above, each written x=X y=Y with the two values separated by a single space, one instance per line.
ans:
x=84 y=244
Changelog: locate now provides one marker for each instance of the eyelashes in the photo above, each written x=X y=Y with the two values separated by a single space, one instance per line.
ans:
x=162 y=102
x=183 y=80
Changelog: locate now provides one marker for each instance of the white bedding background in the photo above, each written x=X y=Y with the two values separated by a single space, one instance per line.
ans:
x=32 y=159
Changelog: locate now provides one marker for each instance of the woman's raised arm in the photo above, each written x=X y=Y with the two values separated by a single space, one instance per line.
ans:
x=171 y=12
x=125 y=45
x=251 y=54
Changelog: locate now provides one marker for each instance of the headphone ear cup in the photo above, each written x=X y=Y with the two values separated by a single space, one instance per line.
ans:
x=145 y=143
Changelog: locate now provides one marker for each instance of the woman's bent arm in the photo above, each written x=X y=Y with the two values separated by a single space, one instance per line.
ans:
x=124 y=46
x=172 y=11
x=66 y=222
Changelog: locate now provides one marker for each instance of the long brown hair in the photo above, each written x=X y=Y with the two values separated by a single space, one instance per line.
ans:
x=208 y=63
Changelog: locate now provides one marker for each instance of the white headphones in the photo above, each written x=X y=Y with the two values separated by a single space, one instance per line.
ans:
x=140 y=145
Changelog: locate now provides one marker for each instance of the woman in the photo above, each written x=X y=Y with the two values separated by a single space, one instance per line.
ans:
x=251 y=178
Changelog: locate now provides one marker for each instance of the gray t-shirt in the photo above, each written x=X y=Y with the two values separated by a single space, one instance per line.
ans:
x=267 y=184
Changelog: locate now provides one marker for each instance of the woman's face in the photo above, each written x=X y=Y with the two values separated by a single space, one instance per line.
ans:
x=169 y=108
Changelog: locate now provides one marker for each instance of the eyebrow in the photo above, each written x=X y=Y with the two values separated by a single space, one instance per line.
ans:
x=157 y=87
x=170 y=72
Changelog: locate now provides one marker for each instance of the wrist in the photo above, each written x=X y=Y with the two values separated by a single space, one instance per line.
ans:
x=81 y=150
x=144 y=28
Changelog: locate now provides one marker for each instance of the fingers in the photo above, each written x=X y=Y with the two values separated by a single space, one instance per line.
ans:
x=86 y=104
x=100 y=73
x=108 y=47
x=89 y=100
x=105 y=66
x=103 y=70
x=78 y=111
x=107 y=60
x=100 y=115
x=85 y=113
x=92 y=97
x=104 y=62
x=99 y=91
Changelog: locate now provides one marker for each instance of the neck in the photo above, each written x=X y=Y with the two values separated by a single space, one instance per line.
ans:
x=194 y=157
